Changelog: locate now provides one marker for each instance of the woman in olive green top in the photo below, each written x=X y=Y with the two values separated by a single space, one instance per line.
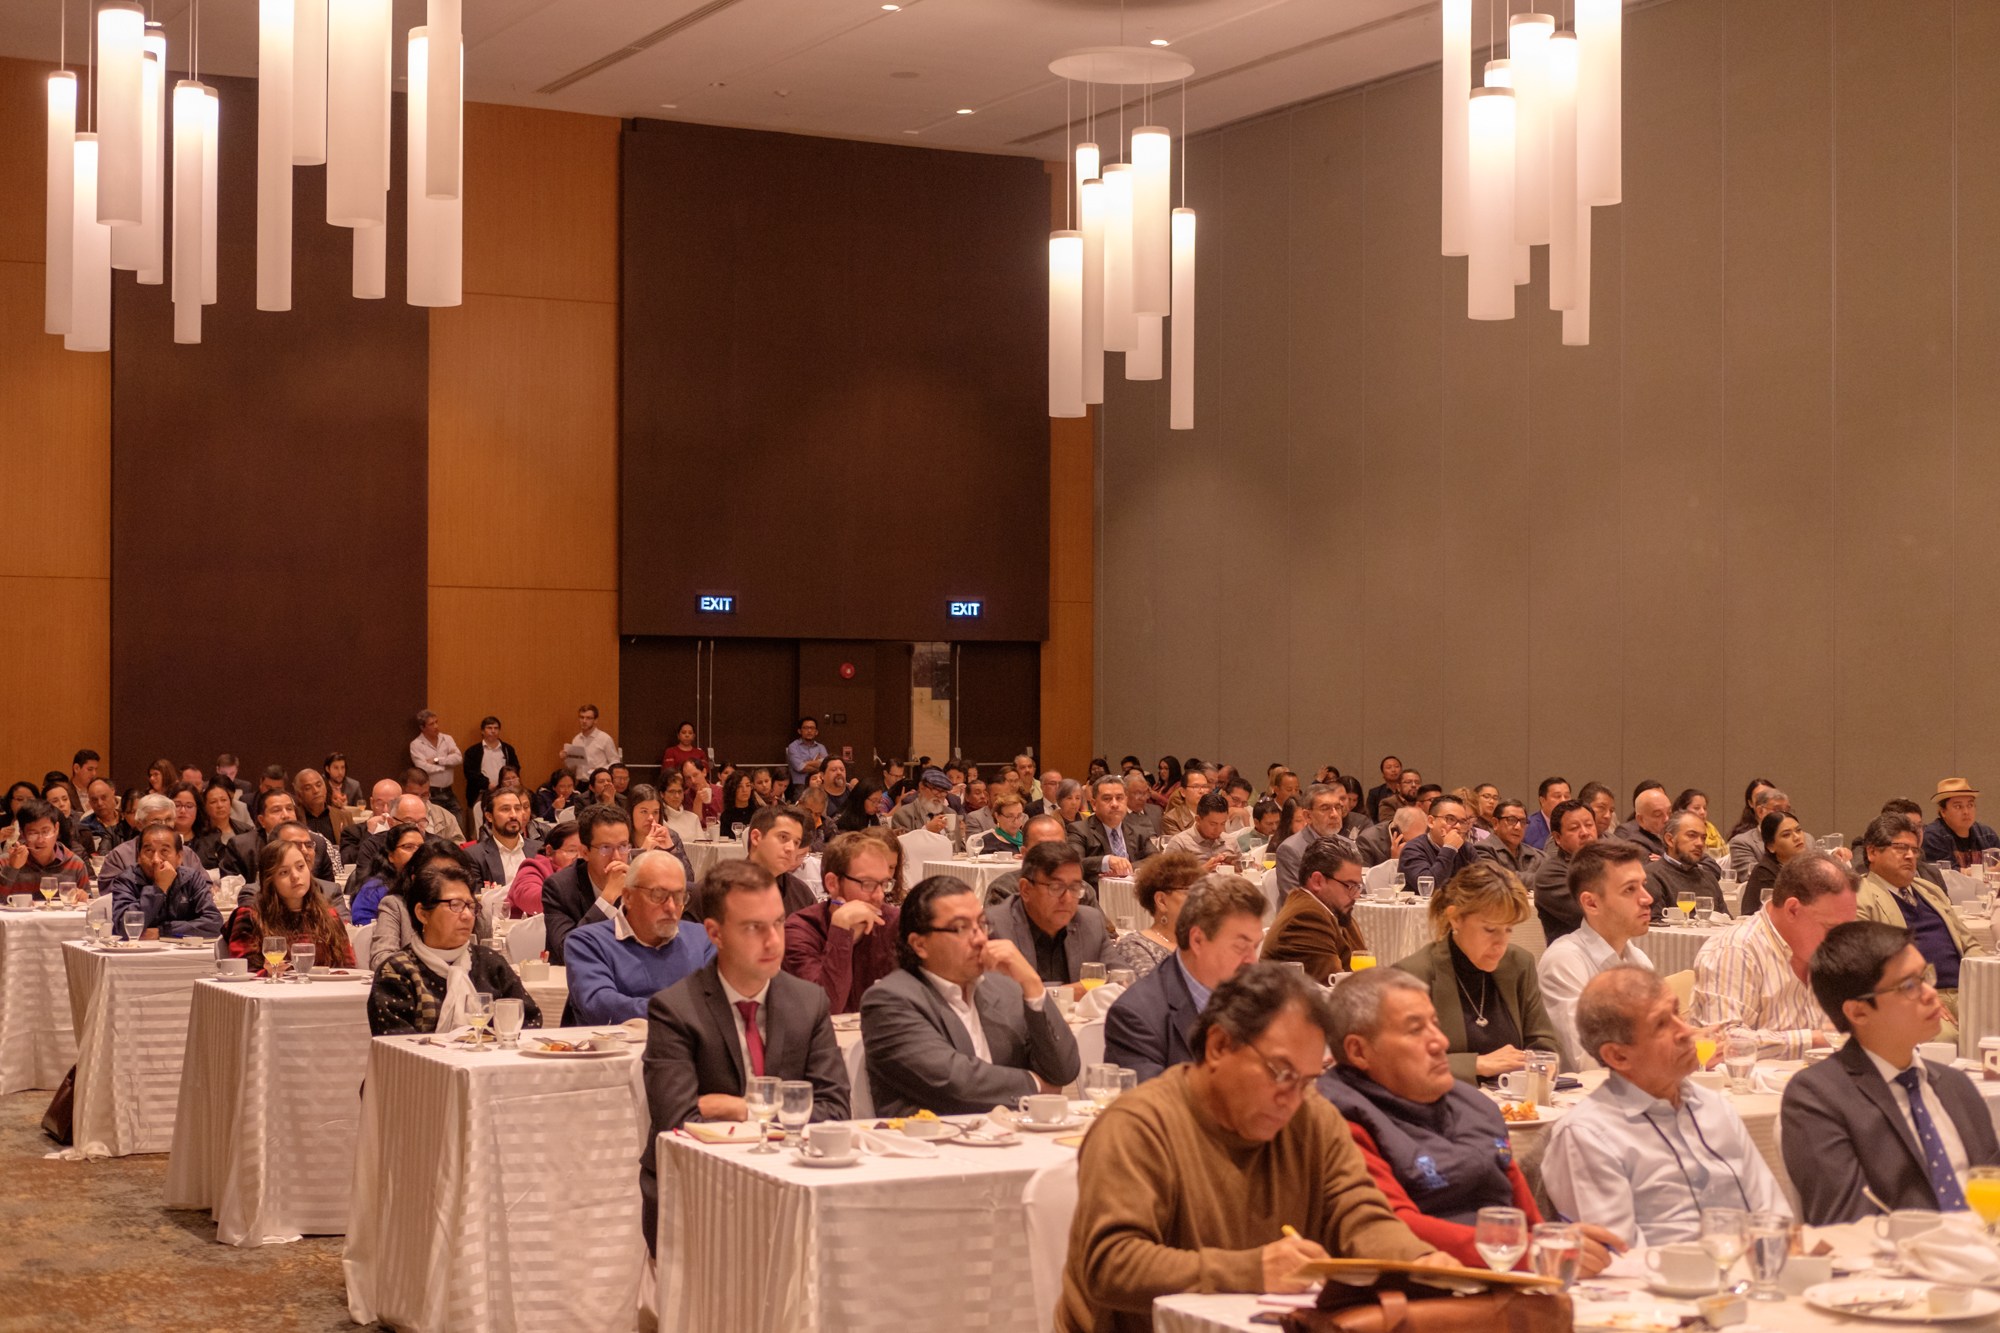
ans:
x=1489 y=1003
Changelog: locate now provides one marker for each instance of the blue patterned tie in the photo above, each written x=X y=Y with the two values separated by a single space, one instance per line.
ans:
x=1944 y=1181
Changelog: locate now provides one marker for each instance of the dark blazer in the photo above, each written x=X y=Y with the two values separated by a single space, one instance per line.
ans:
x=691 y=1050
x=475 y=768
x=1630 y=832
x=1086 y=940
x=920 y=1056
x=239 y=856
x=1420 y=856
x=1841 y=1132
x=569 y=900
x=485 y=853
x=1087 y=835
x=1554 y=903
x=1492 y=849
x=1148 y=1028
x=1373 y=845
x=1516 y=983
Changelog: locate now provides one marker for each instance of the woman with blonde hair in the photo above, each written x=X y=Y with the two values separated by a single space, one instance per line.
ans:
x=1484 y=987
x=1162 y=885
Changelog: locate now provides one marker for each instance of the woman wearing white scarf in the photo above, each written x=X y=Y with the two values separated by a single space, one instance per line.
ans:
x=424 y=986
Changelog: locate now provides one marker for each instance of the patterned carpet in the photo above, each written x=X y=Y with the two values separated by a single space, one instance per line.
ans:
x=89 y=1246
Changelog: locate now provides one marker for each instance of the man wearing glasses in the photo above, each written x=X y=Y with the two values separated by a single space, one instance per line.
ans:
x=1878 y=1121
x=965 y=1023
x=589 y=889
x=847 y=943
x=1892 y=893
x=1315 y=925
x=1227 y=1173
x=1508 y=845
x=1436 y=852
x=1046 y=919
x=617 y=966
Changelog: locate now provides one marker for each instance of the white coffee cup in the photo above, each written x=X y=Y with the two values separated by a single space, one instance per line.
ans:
x=1989 y=1056
x=1046 y=1108
x=1674 y=916
x=1938 y=1052
x=17 y=901
x=1686 y=1266
x=1805 y=1270
x=1518 y=1083
x=1907 y=1222
x=232 y=967
x=830 y=1139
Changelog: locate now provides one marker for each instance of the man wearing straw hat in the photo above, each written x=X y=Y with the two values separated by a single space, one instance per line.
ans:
x=1956 y=836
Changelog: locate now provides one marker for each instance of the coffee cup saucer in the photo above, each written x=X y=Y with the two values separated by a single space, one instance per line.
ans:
x=1659 y=1286
x=824 y=1160
x=1053 y=1127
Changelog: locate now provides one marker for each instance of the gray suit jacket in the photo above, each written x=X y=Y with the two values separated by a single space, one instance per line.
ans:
x=1290 y=852
x=1373 y=844
x=1148 y=1028
x=691 y=1049
x=1087 y=835
x=920 y=1056
x=1842 y=1132
x=1086 y=940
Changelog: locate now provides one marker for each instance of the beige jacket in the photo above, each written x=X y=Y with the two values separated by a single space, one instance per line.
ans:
x=1876 y=901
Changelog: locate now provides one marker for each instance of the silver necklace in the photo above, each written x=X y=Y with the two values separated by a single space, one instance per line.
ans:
x=1478 y=1006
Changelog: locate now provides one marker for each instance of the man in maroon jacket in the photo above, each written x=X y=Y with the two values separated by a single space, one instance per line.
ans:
x=847 y=943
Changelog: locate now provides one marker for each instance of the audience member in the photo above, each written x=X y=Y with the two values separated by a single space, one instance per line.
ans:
x=847 y=943
x=965 y=1024
x=484 y=765
x=1508 y=847
x=1437 y=852
x=1878 y=1127
x=1575 y=829
x=1783 y=841
x=436 y=754
x=105 y=825
x=1162 y=885
x=1488 y=999
x=1695 y=802
x=1182 y=811
x=1956 y=836
x=590 y=748
x=1608 y=881
x=1010 y=821
x=1648 y=1151
x=1648 y=825
x=423 y=986
x=290 y=905
x=269 y=809
x=1753 y=975
x=616 y=966
x=1142 y=816
x=592 y=886
x=1215 y=933
x=1391 y=785
x=1685 y=872
x=931 y=810
x=174 y=898
x=1747 y=844
x=1893 y=892
x=561 y=848
x=399 y=845
x=317 y=809
x=503 y=845
x=651 y=830
x=804 y=755
x=1040 y=829
x=1551 y=793
x=346 y=790
x=682 y=750
x=777 y=842
x=1102 y=839
x=1206 y=836
x=39 y=852
x=1046 y=919
x=1315 y=925
x=1322 y=820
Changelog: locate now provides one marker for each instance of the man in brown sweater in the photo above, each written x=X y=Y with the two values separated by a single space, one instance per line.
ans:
x=1188 y=1183
x=1315 y=924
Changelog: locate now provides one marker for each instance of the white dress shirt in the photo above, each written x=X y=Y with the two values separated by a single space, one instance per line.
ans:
x=510 y=861
x=436 y=757
x=491 y=760
x=1644 y=1169
x=585 y=754
x=960 y=998
x=736 y=997
x=1564 y=969
x=1954 y=1146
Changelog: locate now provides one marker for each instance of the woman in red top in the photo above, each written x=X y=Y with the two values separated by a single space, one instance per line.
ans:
x=288 y=903
x=682 y=751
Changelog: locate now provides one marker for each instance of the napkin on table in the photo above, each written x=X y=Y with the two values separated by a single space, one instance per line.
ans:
x=1952 y=1253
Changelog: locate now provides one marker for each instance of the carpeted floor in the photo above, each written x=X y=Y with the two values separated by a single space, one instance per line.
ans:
x=88 y=1245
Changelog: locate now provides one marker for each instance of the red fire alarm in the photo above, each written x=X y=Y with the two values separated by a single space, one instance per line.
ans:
x=847 y=671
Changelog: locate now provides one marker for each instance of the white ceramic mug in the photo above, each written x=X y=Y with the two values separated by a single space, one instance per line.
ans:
x=1686 y=1266
x=232 y=967
x=1674 y=916
x=17 y=901
x=1989 y=1056
x=1518 y=1083
x=1046 y=1108
x=535 y=969
x=1906 y=1222
x=830 y=1139
x=1949 y=1301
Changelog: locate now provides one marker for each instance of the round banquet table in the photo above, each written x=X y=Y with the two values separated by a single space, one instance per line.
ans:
x=1394 y=930
x=1673 y=948
x=130 y=1011
x=37 y=1040
x=704 y=856
x=978 y=873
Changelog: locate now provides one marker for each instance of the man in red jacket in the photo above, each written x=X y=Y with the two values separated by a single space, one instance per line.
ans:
x=847 y=943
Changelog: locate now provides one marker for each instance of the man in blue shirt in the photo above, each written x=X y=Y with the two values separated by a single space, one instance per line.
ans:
x=804 y=751
x=617 y=966
x=1552 y=793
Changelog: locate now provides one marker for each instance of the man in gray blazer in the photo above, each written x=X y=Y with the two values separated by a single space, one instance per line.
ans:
x=1878 y=1117
x=1323 y=820
x=741 y=1015
x=965 y=1025
x=1151 y=1026
x=1104 y=840
x=1046 y=919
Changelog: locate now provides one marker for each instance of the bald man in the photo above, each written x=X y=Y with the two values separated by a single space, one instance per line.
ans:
x=1648 y=825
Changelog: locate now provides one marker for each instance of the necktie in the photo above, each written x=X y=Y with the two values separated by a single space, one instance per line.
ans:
x=751 y=1037
x=1944 y=1181
x=1114 y=840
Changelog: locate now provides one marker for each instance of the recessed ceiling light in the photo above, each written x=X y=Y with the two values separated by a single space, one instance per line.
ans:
x=668 y=106
x=965 y=111
x=1159 y=41
x=891 y=9
x=913 y=131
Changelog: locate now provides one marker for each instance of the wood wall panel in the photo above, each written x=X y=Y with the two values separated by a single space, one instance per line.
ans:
x=55 y=454
x=1974 y=575
x=541 y=217
x=1069 y=654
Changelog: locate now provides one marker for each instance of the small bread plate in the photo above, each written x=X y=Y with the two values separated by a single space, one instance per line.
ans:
x=804 y=1158
x=544 y=1053
x=1895 y=1301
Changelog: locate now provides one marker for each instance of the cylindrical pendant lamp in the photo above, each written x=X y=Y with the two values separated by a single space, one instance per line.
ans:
x=120 y=152
x=1600 y=100
x=1088 y=166
x=357 y=113
x=188 y=194
x=1457 y=21
x=1528 y=54
x=1066 y=324
x=433 y=251
x=211 y=133
x=1562 y=65
x=446 y=98
x=371 y=262
x=1152 y=220
x=1145 y=360
x=1576 y=319
x=128 y=244
x=1489 y=287
x=274 y=154
x=1500 y=74
x=1121 y=330
x=308 y=83
x=1090 y=210
x=153 y=263
x=1180 y=393
x=59 y=240
x=90 y=255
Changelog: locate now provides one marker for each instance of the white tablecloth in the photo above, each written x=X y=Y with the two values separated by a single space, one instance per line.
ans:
x=550 y=994
x=978 y=874
x=494 y=1190
x=130 y=1011
x=269 y=1106
x=1978 y=1002
x=37 y=1042
x=751 y=1244
x=705 y=856
x=1394 y=931
x=1672 y=948
x=1118 y=899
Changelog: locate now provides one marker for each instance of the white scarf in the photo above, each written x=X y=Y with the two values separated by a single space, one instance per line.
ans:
x=455 y=966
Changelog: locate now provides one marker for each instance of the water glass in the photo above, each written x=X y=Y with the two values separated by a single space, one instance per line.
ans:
x=760 y=1103
x=1122 y=1082
x=1770 y=1245
x=1542 y=1065
x=1739 y=1057
x=302 y=959
x=1396 y=882
x=1120 y=976
x=479 y=1013
x=1704 y=909
x=1501 y=1237
x=135 y=924
x=1832 y=843
x=508 y=1016
x=1557 y=1249
x=795 y=1106
x=1124 y=925
x=1100 y=1084
x=1426 y=886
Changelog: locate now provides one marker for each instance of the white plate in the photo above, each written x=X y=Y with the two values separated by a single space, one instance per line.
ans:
x=827 y=1163
x=975 y=1141
x=1660 y=1287
x=30 y=908
x=1074 y=1122
x=247 y=976
x=1840 y=1297
x=541 y=1053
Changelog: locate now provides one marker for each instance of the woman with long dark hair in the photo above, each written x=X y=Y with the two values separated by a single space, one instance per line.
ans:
x=290 y=905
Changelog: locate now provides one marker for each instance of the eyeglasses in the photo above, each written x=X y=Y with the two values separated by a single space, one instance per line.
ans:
x=621 y=849
x=868 y=885
x=1452 y=821
x=459 y=905
x=1354 y=884
x=660 y=897
x=1900 y=849
x=1909 y=990
x=962 y=929
x=1511 y=819
x=1285 y=1077
x=1060 y=889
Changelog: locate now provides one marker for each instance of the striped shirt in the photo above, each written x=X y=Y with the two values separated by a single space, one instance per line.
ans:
x=1744 y=978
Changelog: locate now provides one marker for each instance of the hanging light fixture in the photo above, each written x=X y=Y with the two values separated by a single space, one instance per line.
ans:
x=1180 y=391
x=120 y=153
x=1066 y=324
x=444 y=100
x=1457 y=24
x=433 y=245
x=1600 y=100
x=1145 y=360
x=1500 y=74
x=59 y=238
x=1562 y=199
x=1489 y=143
x=188 y=196
x=152 y=262
x=128 y=243
x=1090 y=212
x=357 y=113
x=371 y=263
x=1121 y=330
x=90 y=255
x=1088 y=164
x=1152 y=220
x=308 y=83
x=211 y=133
x=1527 y=55
x=275 y=27
x=1576 y=319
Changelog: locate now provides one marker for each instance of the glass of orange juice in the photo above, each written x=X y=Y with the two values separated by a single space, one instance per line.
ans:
x=1360 y=962
x=1704 y=1050
x=1093 y=976
x=1982 y=1193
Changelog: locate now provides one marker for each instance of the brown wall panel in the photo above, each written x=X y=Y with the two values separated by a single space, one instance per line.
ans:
x=268 y=496
x=1067 y=658
x=1973 y=574
x=545 y=186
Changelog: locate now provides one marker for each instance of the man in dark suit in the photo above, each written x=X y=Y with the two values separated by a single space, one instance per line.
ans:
x=1149 y=1028
x=965 y=1024
x=484 y=761
x=1046 y=919
x=270 y=809
x=1439 y=850
x=1557 y=907
x=1102 y=840
x=589 y=888
x=1323 y=820
x=740 y=1016
x=777 y=842
x=503 y=843
x=1878 y=1117
x=1392 y=777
